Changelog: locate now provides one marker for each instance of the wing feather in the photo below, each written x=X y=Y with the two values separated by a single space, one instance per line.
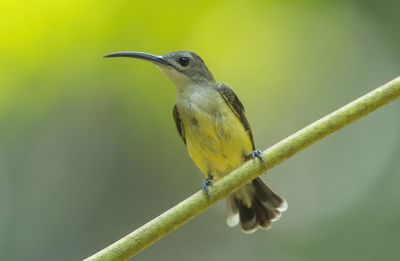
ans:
x=237 y=107
x=178 y=123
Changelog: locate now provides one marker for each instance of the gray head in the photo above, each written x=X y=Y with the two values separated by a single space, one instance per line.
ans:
x=181 y=67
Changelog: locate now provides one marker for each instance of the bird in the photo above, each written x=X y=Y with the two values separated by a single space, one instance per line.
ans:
x=211 y=121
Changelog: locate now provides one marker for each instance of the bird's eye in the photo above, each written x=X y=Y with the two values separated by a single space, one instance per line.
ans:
x=184 y=61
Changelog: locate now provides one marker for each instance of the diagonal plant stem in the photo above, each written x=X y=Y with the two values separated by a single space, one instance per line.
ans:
x=175 y=217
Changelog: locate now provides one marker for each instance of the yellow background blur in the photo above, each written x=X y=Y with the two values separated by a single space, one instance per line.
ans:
x=89 y=150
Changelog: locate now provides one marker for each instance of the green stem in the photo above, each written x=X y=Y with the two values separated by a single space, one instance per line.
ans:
x=175 y=217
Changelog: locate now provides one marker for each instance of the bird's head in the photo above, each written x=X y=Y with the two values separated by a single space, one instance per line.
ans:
x=182 y=67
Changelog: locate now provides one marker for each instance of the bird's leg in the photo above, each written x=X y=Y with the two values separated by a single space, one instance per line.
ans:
x=206 y=183
x=256 y=154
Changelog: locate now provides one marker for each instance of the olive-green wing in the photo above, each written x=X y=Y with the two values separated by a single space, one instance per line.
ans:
x=178 y=123
x=234 y=103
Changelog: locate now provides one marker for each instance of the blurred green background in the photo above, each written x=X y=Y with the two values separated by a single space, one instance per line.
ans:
x=89 y=150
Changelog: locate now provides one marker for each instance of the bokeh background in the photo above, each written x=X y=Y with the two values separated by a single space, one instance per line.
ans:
x=89 y=150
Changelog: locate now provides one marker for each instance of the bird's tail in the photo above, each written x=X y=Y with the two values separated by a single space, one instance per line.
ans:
x=255 y=205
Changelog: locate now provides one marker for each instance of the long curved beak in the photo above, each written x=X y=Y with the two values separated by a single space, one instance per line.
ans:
x=139 y=55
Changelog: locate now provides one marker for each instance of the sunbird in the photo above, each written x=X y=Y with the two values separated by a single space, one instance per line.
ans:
x=211 y=121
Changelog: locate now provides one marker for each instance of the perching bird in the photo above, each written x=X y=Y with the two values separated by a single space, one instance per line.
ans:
x=211 y=122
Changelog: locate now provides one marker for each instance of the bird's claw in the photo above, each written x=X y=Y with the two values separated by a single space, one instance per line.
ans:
x=206 y=183
x=257 y=154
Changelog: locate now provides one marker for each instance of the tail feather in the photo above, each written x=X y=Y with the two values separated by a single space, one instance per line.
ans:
x=248 y=218
x=264 y=208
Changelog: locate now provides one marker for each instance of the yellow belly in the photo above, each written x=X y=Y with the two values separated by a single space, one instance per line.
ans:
x=216 y=142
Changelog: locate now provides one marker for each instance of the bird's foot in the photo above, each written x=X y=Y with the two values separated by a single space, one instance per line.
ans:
x=256 y=154
x=206 y=183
